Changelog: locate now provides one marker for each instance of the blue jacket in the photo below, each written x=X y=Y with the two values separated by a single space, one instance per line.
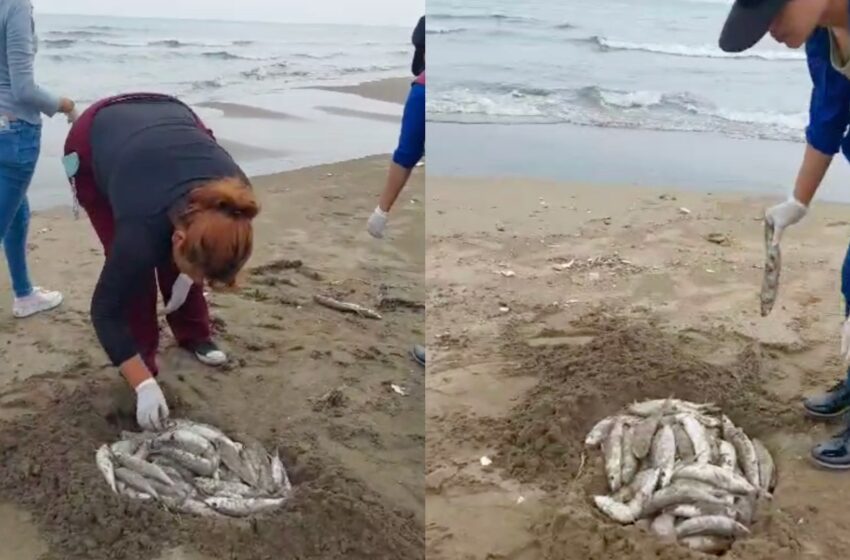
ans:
x=829 y=108
x=411 y=142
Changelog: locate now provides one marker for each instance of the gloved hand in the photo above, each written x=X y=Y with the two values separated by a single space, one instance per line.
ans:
x=783 y=215
x=151 y=408
x=845 y=340
x=377 y=223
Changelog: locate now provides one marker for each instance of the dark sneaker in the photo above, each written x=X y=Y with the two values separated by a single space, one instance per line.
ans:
x=418 y=354
x=835 y=402
x=834 y=454
x=209 y=354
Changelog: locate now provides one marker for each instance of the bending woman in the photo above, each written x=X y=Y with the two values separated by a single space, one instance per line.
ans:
x=169 y=205
x=22 y=103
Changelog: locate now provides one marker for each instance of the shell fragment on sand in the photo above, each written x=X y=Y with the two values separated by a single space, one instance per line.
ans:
x=195 y=469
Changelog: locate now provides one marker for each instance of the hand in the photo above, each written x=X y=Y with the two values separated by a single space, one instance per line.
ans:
x=783 y=215
x=66 y=105
x=845 y=340
x=151 y=408
x=377 y=223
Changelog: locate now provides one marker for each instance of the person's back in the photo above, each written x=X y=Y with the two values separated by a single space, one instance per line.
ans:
x=20 y=97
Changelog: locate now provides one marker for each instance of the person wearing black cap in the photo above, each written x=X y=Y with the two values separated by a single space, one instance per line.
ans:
x=822 y=25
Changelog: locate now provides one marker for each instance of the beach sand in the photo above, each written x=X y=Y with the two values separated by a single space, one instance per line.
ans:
x=521 y=367
x=389 y=89
x=303 y=378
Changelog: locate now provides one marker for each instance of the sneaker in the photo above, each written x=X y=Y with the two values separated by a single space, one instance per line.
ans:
x=418 y=354
x=833 y=454
x=39 y=300
x=210 y=354
x=835 y=402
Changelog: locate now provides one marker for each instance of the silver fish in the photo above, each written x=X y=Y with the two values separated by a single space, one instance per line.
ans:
x=767 y=469
x=707 y=545
x=125 y=490
x=747 y=457
x=618 y=511
x=630 y=463
x=664 y=453
x=671 y=406
x=213 y=487
x=643 y=434
x=684 y=447
x=197 y=507
x=278 y=472
x=699 y=437
x=243 y=507
x=599 y=432
x=187 y=440
x=717 y=476
x=772 y=266
x=664 y=527
x=125 y=446
x=197 y=465
x=144 y=468
x=701 y=509
x=728 y=455
x=711 y=526
x=135 y=481
x=231 y=457
x=103 y=460
x=612 y=450
x=679 y=494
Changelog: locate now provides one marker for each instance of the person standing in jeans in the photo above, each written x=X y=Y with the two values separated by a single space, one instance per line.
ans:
x=22 y=103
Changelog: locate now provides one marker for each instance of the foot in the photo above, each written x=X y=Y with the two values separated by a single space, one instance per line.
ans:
x=834 y=454
x=835 y=402
x=210 y=354
x=39 y=300
x=418 y=354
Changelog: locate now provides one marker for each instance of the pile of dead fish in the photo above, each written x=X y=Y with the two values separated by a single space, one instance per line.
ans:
x=683 y=469
x=195 y=468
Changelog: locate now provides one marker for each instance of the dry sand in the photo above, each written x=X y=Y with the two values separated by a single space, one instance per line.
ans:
x=521 y=367
x=305 y=378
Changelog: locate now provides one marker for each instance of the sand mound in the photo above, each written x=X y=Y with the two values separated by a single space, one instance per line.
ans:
x=46 y=467
x=541 y=440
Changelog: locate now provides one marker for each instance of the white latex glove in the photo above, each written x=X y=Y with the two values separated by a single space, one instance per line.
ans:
x=179 y=293
x=845 y=340
x=377 y=223
x=783 y=215
x=72 y=116
x=151 y=408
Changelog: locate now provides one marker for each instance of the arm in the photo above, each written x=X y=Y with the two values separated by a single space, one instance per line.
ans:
x=20 y=50
x=411 y=147
x=829 y=114
x=131 y=259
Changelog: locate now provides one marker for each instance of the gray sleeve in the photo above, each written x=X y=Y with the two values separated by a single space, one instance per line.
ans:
x=20 y=51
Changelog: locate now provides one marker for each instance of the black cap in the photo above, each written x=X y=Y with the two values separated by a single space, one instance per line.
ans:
x=748 y=22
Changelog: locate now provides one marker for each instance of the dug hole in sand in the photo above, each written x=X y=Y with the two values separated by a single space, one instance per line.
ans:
x=524 y=366
x=310 y=381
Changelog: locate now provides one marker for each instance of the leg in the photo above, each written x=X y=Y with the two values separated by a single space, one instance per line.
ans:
x=19 y=149
x=15 y=245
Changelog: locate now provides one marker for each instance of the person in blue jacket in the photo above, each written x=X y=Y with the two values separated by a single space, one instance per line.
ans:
x=822 y=25
x=411 y=148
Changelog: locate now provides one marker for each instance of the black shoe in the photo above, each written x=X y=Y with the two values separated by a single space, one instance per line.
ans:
x=835 y=402
x=418 y=354
x=833 y=454
x=210 y=354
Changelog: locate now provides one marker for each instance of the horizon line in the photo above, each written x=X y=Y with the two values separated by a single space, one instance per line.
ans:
x=217 y=20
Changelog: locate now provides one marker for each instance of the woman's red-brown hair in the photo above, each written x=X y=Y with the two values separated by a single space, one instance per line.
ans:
x=217 y=224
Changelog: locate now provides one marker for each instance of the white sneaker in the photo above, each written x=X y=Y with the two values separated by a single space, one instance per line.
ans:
x=39 y=300
x=210 y=354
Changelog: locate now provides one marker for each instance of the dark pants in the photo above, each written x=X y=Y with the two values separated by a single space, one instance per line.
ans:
x=191 y=323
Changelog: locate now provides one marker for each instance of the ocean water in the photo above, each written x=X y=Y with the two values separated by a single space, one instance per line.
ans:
x=650 y=65
x=270 y=66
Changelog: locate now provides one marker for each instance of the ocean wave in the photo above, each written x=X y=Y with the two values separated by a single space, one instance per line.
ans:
x=564 y=26
x=483 y=17
x=446 y=31
x=325 y=56
x=705 y=51
x=78 y=34
x=243 y=43
x=600 y=107
x=364 y=69
x=58 y=43
x=272 y=71
x=225 y=55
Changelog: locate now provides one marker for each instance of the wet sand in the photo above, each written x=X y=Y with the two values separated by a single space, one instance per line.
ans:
x=617 y=295
x=390 y=90
x=309 y=380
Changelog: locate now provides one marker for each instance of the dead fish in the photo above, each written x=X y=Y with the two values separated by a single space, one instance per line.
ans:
x=197 y=465
x=711 y=525
x=684 y=447
x=142 y=451
x=679 y=494
x=125 y=490
x=710 y=422
x=599 y=432
x=243 y=507
x=728 y=456
x=630 y=463
x=187 y=440
x=646 y=485
x=767 y=469
x=747 y=457
x=643 y=434
x=671 y=406
x=772 y=266
x=135 y=481
x=208 y=432
x=278 y=472
x=125 y=446
x=149 y=470
x=197 y=507
x=707 y=545
x=744 y=509
x=664 y=526
x=258 y=460
x=618 y=511
x=177 y=491
x=232 y=459
x=664 y=453
x=103 y=460
x=213 y=487
x=612 y=449
x=701 y=509
x=170 y=466
x=717 y=476
x=699 y=437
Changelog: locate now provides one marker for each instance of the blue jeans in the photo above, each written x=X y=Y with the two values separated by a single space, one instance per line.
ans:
x=20 y=145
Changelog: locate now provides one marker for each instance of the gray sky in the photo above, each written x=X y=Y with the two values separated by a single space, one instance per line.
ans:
x=380 y=12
